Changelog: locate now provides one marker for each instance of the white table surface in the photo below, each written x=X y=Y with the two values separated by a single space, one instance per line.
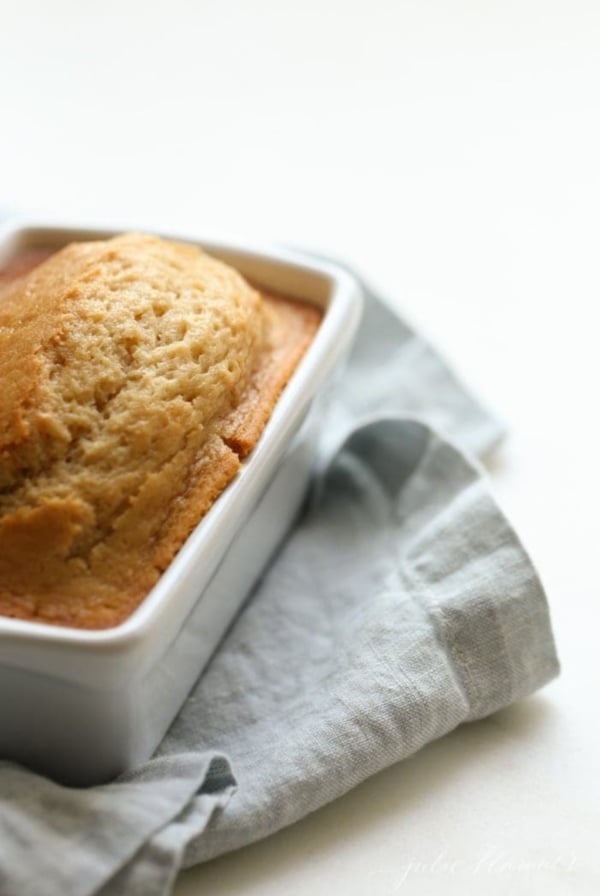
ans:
x=450 y=149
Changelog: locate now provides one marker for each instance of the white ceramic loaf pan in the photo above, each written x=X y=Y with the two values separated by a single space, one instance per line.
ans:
x=84 y=706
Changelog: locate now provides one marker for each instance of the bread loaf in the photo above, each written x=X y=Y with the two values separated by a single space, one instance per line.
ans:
x=136 y=374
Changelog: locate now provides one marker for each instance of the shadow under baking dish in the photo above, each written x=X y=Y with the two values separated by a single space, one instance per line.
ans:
x=84 y=706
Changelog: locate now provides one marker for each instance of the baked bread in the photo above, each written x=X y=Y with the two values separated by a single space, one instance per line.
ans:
x=136 y=375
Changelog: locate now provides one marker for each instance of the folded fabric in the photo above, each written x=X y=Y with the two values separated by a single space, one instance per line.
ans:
x=401 y=605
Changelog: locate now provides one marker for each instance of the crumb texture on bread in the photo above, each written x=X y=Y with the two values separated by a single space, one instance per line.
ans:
x=136 y=373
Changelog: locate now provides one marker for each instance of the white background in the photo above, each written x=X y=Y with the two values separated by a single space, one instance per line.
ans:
x=452 y=151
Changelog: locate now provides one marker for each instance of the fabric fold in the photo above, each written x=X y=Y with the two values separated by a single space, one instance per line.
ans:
x=56 y=839
x=425 y=619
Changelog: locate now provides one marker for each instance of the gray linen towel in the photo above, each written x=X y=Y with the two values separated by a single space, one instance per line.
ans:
x=400 y=606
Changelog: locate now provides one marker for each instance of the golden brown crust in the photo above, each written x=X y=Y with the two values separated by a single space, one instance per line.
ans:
x=292 y=326
x=136 y=373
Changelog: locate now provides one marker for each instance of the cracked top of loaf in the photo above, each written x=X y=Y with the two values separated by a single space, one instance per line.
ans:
x=136 y=373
